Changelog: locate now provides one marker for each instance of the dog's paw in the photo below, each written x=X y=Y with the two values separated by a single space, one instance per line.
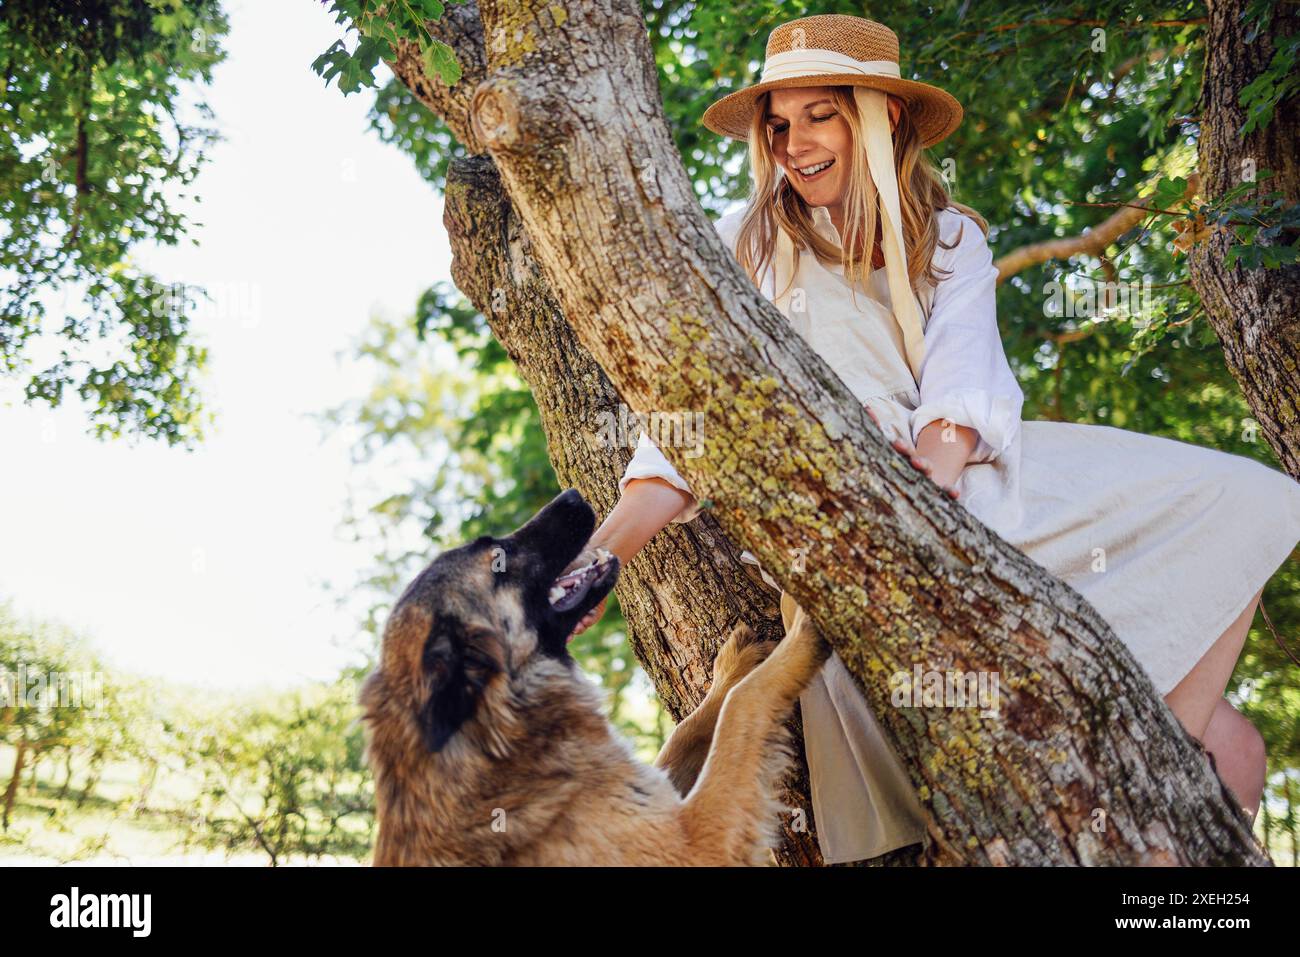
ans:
x=802 y=650
x=741 y=653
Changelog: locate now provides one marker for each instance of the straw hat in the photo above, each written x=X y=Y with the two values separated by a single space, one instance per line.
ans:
x=830 y=50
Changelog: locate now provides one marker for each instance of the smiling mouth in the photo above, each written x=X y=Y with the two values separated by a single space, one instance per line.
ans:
x=814 y=171
x=568 y=591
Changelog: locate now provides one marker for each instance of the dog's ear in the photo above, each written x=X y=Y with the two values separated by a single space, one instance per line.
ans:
x=458 y=666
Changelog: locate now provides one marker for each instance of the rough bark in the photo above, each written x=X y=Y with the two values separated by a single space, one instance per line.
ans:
x=686 y=589
x=1254 y=311
x=1083 y=763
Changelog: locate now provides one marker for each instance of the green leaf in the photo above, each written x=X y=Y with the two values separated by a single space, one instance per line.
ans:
x=438 y=58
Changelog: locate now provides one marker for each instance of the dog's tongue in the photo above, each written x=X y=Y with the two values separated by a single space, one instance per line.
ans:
x=573 y=578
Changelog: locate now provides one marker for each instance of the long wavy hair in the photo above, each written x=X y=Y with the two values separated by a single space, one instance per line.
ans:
x=921 y=194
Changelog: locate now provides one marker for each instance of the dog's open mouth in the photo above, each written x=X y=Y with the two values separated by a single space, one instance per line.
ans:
x=568 y=591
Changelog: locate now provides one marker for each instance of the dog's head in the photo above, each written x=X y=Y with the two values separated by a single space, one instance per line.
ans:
x=476 y=618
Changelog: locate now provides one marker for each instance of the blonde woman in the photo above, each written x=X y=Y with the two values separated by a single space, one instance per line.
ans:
x=1172 y=543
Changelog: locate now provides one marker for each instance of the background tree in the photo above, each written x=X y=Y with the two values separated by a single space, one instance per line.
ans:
x=1250 y=127
x=92 y=138
x=283 y=776
x=40 y=714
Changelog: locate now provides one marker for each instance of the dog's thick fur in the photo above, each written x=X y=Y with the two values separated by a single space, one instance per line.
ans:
x=489 y=746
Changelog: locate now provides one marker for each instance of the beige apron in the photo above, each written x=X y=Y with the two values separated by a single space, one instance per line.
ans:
x=863 y=802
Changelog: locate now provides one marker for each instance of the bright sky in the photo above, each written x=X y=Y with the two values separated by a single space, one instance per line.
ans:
x=208 y=566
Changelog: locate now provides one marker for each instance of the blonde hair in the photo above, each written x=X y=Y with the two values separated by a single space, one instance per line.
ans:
x=921 y=195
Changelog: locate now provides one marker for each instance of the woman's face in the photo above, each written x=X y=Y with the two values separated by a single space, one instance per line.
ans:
x=812 y=143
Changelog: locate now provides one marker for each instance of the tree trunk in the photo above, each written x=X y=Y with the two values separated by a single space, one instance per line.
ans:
x=92 y=777
x=11 y=792
x=150 y=776
x=687 y=587
x=67 y=774
x=1268 y=824
x=1082 y=763
x=1290 y=818
x=33 y=772
x=1253 y=311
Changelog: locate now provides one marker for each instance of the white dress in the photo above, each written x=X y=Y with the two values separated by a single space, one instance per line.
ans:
x=1167 y=540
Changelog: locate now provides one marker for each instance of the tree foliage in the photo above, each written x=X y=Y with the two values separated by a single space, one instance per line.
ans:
x=92 y=142
x=283 y=777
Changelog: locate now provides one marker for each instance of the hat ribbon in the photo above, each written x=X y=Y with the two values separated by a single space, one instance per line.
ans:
x=811 y=62
x=880 y=160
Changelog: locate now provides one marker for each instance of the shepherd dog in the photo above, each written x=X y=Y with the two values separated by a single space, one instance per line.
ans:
x=489 y=746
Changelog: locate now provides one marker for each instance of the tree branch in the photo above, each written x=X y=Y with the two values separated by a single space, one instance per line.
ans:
x=1092 y=241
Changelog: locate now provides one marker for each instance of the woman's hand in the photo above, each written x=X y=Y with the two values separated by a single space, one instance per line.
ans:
x=589 y=619
x=904 y=445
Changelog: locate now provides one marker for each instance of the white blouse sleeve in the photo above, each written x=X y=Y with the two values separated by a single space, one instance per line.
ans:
x=965 y=376
x=649 y=462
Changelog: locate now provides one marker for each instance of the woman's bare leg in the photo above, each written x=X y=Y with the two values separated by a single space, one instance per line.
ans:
x=1238 y=750
x=1195 y=698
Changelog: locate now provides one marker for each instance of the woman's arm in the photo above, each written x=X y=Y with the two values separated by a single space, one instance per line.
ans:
x=653 y=493
x=965 y=377
x=945 y=467
x=947 y=454
x=646 y=506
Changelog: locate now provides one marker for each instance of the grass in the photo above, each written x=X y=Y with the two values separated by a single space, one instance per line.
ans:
x=108 y=829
